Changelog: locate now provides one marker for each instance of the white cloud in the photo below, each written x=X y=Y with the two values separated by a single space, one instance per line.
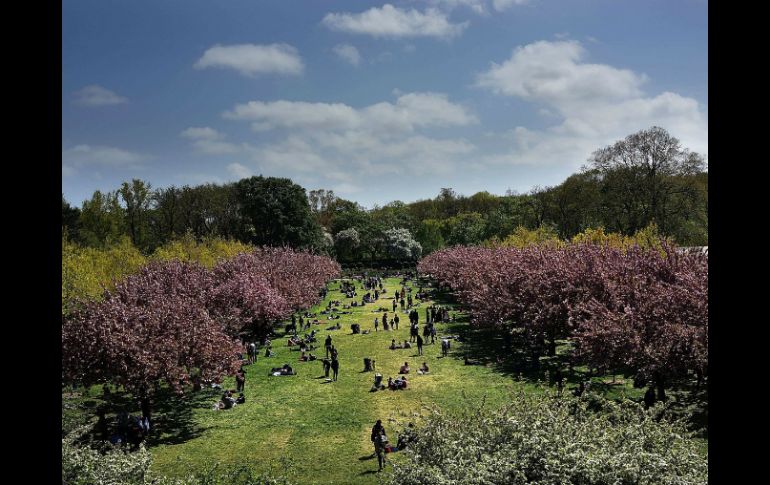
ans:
x=477 y=6
x=95 y=95
x=294 y=114
x=96 y=155
x=410 y=111
x=67 y=171
x=210 y=141
x=392 y=22
x=551 y=72
x=593 y=105
x=203 y=133
x=251 y=59
x=342 y=146
x=348 y=53
x=239 y=171
x=501 y=5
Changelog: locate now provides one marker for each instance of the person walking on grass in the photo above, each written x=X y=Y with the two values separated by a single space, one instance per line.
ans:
x=376 y=323
x=328 y=344
x=419 y=345
x=335 y=367
x=378 y=440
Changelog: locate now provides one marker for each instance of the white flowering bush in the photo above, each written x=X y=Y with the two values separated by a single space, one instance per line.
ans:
x=545 y=440
x=84 y=465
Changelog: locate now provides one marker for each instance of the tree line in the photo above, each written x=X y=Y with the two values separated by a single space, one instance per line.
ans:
x=646 y=178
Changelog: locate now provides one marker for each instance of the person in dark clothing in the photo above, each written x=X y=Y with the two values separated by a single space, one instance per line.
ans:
x=240 y=381
x=335 y=367
x=327 y=365
x=328 y=344
x=377 y=429
x=394 y=303
x=649 y=398
x=419 y=345
x=395 y=321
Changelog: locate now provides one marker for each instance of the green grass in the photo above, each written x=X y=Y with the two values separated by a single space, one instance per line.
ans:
x=322 y=428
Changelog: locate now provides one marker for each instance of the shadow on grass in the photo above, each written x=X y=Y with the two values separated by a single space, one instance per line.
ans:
x=173 y=418
x=490 y=348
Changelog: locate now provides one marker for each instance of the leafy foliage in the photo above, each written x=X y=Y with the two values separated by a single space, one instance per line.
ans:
x=541 y=440
x=624 y=308
x=401 y=245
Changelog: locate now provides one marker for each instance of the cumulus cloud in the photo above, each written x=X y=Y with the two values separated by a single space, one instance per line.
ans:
x=502 y=5
x=342 y=146
x=552 y=72
x=410 y=111
x=593 y=105
x=95 y=95
x=81 y=155
x=477 y=6
x=251 y=60
x=239 y=171
x=392 y=22
x=348 y=53
x=210 y=141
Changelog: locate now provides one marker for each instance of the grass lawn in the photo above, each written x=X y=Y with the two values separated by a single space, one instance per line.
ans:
x=321 y=430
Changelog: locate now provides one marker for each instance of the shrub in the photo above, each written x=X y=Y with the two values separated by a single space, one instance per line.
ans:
x=543 y=440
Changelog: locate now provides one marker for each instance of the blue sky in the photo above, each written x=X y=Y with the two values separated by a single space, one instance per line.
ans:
x=376 y=101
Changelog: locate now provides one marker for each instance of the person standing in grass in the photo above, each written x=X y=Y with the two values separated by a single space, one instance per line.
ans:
x=335 y=366
x=240 y=380
x=376 y=324
x=395 y=321
x=327 y=365
x=328 y=344
x=377 y=430
x=394 y=303
x=419 y=345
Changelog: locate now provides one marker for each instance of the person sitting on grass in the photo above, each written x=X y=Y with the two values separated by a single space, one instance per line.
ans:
x=227 y=400
x=398 y=383
x=407 y=345
x=377 y=383
x=394 y=345
x=423 y=368
x=286 y=370
x=241 y=399
x=404 y=368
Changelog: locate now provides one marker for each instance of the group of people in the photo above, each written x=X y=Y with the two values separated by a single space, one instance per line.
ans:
x=130 y=429
x=382 y=445
x=286 y=370
x=386 y=325
x=228 y=401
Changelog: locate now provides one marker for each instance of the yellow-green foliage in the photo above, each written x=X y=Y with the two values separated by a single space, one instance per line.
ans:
x=86 y=272
x=522 y=237
x=599 y=237
x=207 y=252
x=649 y=237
